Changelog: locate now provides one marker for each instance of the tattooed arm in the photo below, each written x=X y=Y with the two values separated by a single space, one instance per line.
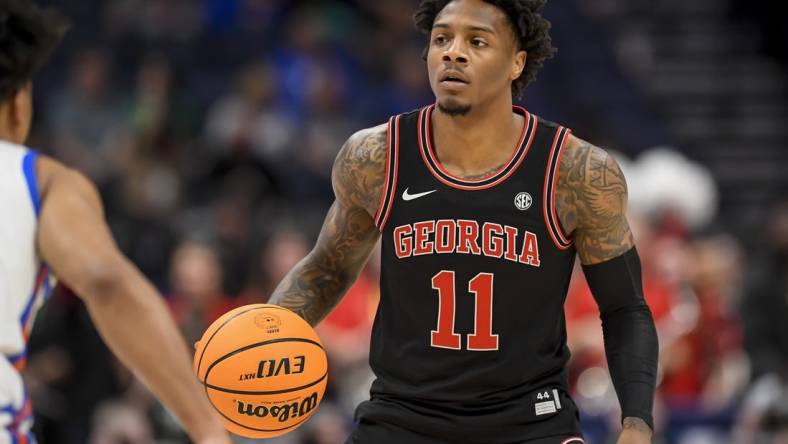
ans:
x=314 y=286
x=591 y=205
x=591 y=202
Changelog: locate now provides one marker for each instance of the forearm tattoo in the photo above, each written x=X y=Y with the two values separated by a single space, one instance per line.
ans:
x=319 y=281
x=591 y=201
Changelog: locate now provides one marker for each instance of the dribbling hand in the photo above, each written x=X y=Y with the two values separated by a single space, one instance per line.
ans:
x=636 y=431
x=634 y=437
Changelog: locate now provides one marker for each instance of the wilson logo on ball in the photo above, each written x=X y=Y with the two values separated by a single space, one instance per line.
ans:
x=263 y=368
x=280 y=412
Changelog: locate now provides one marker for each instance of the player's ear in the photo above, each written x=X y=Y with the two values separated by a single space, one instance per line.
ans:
x=518 y=64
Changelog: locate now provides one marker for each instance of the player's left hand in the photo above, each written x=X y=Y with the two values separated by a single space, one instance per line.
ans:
x=631 y=436
x=636 y=431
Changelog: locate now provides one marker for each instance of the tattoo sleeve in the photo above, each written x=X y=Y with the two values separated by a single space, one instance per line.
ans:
x=591 y=201
x=314 y=286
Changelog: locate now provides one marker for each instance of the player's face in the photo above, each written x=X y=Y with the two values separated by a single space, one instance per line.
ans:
x=472 y=56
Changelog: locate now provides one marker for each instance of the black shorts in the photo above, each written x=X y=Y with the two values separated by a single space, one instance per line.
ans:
x=383 y=433
x=547 y=415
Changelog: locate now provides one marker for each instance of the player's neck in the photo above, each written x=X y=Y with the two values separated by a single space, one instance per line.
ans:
x=8 y=132
x=478 y=141
x=6 y=135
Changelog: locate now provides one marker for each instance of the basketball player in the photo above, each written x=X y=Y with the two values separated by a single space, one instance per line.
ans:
x=51 y=219
x=482 y=207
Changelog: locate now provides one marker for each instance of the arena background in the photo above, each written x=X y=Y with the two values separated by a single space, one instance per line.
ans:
x=211 y=126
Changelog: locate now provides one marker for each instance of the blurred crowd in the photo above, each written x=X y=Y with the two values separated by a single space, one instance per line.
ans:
x=211 y=126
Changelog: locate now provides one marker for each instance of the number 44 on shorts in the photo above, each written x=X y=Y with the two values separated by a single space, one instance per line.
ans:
x=546 y=401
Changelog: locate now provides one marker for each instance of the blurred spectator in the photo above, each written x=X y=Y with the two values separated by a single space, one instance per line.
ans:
x=763 y=418
x=248 y=118
x=279 y=254
x=155 y=165
x=85 y=118
x=718 y=269
x=311 y=57
x=765 y=309
x=156 y=21
x=320 y=141
x=230 y=16
x=409 y=88
x=764 y=414
x=664 y=184
x=197 y=298
x=116 y=422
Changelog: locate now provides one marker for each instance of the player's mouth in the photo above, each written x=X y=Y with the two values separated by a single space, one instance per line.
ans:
x=453 y=79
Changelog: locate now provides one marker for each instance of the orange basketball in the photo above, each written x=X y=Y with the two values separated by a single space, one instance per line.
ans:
x=263 y=368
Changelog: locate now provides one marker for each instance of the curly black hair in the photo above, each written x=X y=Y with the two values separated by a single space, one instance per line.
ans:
x=532 y=31
x=28 y=35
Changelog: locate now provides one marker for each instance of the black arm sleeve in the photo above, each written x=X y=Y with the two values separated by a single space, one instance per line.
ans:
x=630 y=335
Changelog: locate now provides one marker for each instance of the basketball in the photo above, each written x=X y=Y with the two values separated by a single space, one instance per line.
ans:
x=263 y=368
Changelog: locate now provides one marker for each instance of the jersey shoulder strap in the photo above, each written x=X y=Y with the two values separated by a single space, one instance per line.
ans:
x=559 y=135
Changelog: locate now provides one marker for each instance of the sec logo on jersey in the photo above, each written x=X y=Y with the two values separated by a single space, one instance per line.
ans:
x=523 y=201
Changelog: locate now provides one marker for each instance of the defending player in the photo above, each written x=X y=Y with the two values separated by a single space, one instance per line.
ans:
x=482 y=207
x=51 y=218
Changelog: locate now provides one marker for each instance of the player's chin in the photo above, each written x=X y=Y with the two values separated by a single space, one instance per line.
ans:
x=453 y=105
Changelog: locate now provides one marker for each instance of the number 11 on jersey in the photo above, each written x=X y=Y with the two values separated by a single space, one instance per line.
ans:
x=482 y=338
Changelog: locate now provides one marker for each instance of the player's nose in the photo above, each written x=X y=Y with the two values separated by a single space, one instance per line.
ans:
x=455 y=53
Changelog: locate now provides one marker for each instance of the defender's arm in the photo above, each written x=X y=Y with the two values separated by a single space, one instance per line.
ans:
x=591 y=204
x=314 y=286
x=76 y=243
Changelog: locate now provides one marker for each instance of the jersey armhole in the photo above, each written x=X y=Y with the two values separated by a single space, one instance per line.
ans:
x=557 y=234
x=390 y=182
x=46 y=280
x=29 y=169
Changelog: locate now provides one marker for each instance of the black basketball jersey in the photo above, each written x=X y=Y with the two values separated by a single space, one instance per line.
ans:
x=469 y=339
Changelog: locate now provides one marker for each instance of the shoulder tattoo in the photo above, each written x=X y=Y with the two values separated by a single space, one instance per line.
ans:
x=360 y=168
x=591 y=201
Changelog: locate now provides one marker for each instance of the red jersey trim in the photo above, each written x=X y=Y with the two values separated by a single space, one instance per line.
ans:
x=560 y=240
x=433 y=164
x=392 y=172
x=385 y=190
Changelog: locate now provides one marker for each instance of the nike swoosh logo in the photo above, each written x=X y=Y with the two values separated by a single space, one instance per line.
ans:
x=408 y=197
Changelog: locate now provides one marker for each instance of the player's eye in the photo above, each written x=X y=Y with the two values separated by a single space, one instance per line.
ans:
x=439 y=39
x=479 y=43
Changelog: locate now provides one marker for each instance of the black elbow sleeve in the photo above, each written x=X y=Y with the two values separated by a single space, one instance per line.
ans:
x=630 y=336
